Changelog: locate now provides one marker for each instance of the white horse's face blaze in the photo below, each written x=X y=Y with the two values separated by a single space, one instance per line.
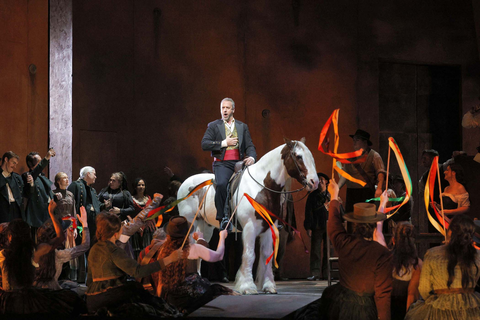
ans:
x=298 y=161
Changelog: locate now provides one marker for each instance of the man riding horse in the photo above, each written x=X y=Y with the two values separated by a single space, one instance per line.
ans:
x=229 y=141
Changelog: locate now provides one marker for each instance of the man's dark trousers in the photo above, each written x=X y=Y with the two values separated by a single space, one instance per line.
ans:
x=223 y=172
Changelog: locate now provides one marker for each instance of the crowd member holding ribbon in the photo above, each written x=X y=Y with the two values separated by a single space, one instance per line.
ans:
x=50 y=265
x=455 y=197
x=371 y=172
x=449 y=275
x=179 y=283
x=229 y=141
x=109 y=266
x=365 y=266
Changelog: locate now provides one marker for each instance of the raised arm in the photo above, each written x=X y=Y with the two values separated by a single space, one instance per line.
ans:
x=72 y=253
x=206 y=254
x=378 y=235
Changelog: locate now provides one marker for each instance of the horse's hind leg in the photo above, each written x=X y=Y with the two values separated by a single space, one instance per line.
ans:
x=244 y=279
x=265 y=278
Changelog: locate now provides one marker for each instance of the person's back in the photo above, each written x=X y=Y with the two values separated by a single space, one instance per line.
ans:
x=449 y=275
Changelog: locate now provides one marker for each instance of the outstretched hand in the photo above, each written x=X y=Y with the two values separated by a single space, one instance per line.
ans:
x=383 y=201
x=333 y=189
x=223 y=234
x=83 y=217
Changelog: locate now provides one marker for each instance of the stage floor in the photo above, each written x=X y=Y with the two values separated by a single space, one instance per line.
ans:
x=292 y=297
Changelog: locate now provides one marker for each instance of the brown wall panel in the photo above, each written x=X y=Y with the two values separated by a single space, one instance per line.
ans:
x=23 y=96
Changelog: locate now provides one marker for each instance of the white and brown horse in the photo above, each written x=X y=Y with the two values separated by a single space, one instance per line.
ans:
x=264 y=182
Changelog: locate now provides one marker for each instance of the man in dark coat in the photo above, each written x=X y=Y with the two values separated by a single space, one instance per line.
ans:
x=229 y=141
x=12 y=189
x=37 y=203
x=86 y=196
x=316 y=216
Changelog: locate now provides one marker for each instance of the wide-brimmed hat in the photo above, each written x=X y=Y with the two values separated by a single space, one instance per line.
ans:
x=364 y=212
x=363 y=135
x=177 y=227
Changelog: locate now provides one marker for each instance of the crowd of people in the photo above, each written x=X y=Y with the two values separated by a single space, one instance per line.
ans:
x=390 y=281
x=54 y=241
x=68 y=250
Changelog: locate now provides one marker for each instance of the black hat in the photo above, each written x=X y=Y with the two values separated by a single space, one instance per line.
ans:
x=363 y=135
x=177 y=227
x=321 y=174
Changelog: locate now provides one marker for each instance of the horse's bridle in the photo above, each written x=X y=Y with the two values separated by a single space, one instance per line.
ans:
x=304 y=181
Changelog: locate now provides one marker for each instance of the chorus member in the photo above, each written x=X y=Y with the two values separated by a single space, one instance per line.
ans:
x=407 y=267
x=316 y=216
x=229 y=141
x=371 y=171
x=86 y=196
x=455 y=197
x=50 y=265
x=140 y=199
x=364 y=265
x=179 y=283
x=12 y=189
x=37 y=203
x=116 y=198
x=109 y=268
x=449 y=275
x=18 y=262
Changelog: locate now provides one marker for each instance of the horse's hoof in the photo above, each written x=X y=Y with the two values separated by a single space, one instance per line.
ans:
x=250 y=292
x=270 y=291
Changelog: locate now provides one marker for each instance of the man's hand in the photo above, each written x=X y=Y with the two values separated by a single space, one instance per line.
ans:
x=115 y=210
x=249 y=161
x=231 y=142
x=333 y=189
x=29 y=179
x=50 y=153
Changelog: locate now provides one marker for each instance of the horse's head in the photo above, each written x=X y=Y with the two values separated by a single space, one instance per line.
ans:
x=298 y=161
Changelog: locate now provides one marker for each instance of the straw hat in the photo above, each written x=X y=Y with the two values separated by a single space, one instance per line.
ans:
x=364 y=213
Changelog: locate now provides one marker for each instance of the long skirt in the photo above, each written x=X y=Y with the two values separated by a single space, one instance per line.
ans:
x=338 y=302
x=130 y=299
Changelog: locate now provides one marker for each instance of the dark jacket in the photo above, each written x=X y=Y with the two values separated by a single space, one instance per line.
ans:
x=86 y=196
x=18 y=190
x=121 y=199
x=108 y=265
x=37 y=203
x=316 y=214
x=364 y=266
x=215 y=134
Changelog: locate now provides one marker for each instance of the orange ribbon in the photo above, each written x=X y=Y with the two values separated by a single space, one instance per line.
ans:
x=265 y=214
x=350 y=157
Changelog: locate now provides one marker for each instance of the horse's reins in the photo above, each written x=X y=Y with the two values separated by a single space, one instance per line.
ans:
x=286 y=192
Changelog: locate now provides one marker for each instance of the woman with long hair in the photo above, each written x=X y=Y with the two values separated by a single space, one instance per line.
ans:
x=18 y=262
x=449 y=275
x=406 y=269
x=455 y=197
x=109 y=268
x=179 y=283
x=50 y=265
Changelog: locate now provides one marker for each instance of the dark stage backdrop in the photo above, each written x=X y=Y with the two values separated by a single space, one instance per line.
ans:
x=149 y=76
